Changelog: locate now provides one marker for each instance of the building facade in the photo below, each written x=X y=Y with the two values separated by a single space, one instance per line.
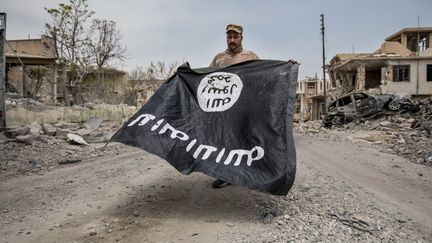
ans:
x=402 y=65
x=310 y=98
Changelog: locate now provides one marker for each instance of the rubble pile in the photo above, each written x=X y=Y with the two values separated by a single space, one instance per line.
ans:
x=403 y=133
x=89 y=132
x=39 y=147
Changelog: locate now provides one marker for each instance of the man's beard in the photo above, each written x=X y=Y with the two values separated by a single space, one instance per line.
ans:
x=234 y=49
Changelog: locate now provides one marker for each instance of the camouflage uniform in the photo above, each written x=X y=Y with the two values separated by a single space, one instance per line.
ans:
x=232 y=57
x=225 y=58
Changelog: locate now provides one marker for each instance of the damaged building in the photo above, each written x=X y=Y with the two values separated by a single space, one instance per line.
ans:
x=26 y=62
x=403 y=65
x=34 y=71
x=310 y=99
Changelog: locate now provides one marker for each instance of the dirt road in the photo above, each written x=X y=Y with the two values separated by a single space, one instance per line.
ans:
x=343 y=191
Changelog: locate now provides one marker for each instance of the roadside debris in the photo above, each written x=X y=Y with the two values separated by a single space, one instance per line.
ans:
x=50 y=145
x=406 y=132
x=93 y=123
x=76 y=139
x=14 y=131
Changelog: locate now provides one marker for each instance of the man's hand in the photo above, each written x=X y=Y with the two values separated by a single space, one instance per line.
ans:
x=293 y=61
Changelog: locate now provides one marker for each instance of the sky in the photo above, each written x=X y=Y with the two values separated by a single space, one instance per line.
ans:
x=194 y=30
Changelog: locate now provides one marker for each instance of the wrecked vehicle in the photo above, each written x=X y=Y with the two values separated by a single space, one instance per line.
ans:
x=359 y=105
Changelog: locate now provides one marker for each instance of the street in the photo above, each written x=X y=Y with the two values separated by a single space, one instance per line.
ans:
x=343 y=192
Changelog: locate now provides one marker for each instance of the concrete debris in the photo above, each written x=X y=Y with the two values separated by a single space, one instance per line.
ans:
x=97 y=137
x=28 y=154
x=68 y=125
x=404 y=133
x=56 y=134
x=269 y=216
x=35 y=128
x=93 y=123
x=83 y=132
x=14 y=131
x=62 y=133
x=26 y=139
x=76 y=139
x=49 y=129
x=89 y=105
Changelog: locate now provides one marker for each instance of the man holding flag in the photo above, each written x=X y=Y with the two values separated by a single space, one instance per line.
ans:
x=231 y=121
x=232 y=55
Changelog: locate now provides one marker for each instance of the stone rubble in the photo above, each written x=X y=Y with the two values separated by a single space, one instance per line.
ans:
x=37 y=147
x=404 y=134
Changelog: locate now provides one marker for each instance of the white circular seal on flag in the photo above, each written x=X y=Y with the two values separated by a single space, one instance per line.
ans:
x=219 y=91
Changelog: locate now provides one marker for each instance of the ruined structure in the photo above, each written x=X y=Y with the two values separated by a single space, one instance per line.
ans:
x=403 y=65
x=140 y=90
x=33 y=71
x=25 y=58
x=310 y=98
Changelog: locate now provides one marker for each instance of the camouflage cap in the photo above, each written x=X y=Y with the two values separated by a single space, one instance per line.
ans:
x=234 y=27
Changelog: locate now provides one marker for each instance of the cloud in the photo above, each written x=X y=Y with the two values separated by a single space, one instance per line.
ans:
x=194 y=29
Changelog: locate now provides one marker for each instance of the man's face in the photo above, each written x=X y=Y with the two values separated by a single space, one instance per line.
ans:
x=234 y=40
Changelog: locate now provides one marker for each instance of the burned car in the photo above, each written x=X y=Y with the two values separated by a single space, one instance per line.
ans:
x=358 y=106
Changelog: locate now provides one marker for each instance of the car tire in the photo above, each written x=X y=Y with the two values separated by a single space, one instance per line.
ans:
x=394 y=105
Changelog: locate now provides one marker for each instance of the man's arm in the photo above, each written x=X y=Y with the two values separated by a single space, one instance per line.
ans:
x=214 y=63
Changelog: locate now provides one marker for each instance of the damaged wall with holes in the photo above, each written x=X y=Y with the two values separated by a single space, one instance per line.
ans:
x=402 y=65
x=32 y=71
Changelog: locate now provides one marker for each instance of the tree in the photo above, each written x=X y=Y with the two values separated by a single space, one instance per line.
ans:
x=104 y=42
x=154 y=74
x=67 y=31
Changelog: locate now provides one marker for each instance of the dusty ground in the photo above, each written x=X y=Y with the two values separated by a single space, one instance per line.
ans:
x=343 y=192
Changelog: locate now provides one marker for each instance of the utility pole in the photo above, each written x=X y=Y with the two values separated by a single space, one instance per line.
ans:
x=2 y=71
x=418 y=54
x=323 y=63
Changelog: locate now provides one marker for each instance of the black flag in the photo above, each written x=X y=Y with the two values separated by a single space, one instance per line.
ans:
x=233 y=123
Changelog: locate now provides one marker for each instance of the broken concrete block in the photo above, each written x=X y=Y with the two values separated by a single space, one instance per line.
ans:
x=93 y=123
x=27 y=139
x=76 y=139
x=14 y=131
x=62 y=133
x=376 y=138
x=385 y=123
x=97 y=137
x=90 y=105
x=35 y=128
x=71 y=126
x=49 y=129
x=82 y=132
x=401 y=119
